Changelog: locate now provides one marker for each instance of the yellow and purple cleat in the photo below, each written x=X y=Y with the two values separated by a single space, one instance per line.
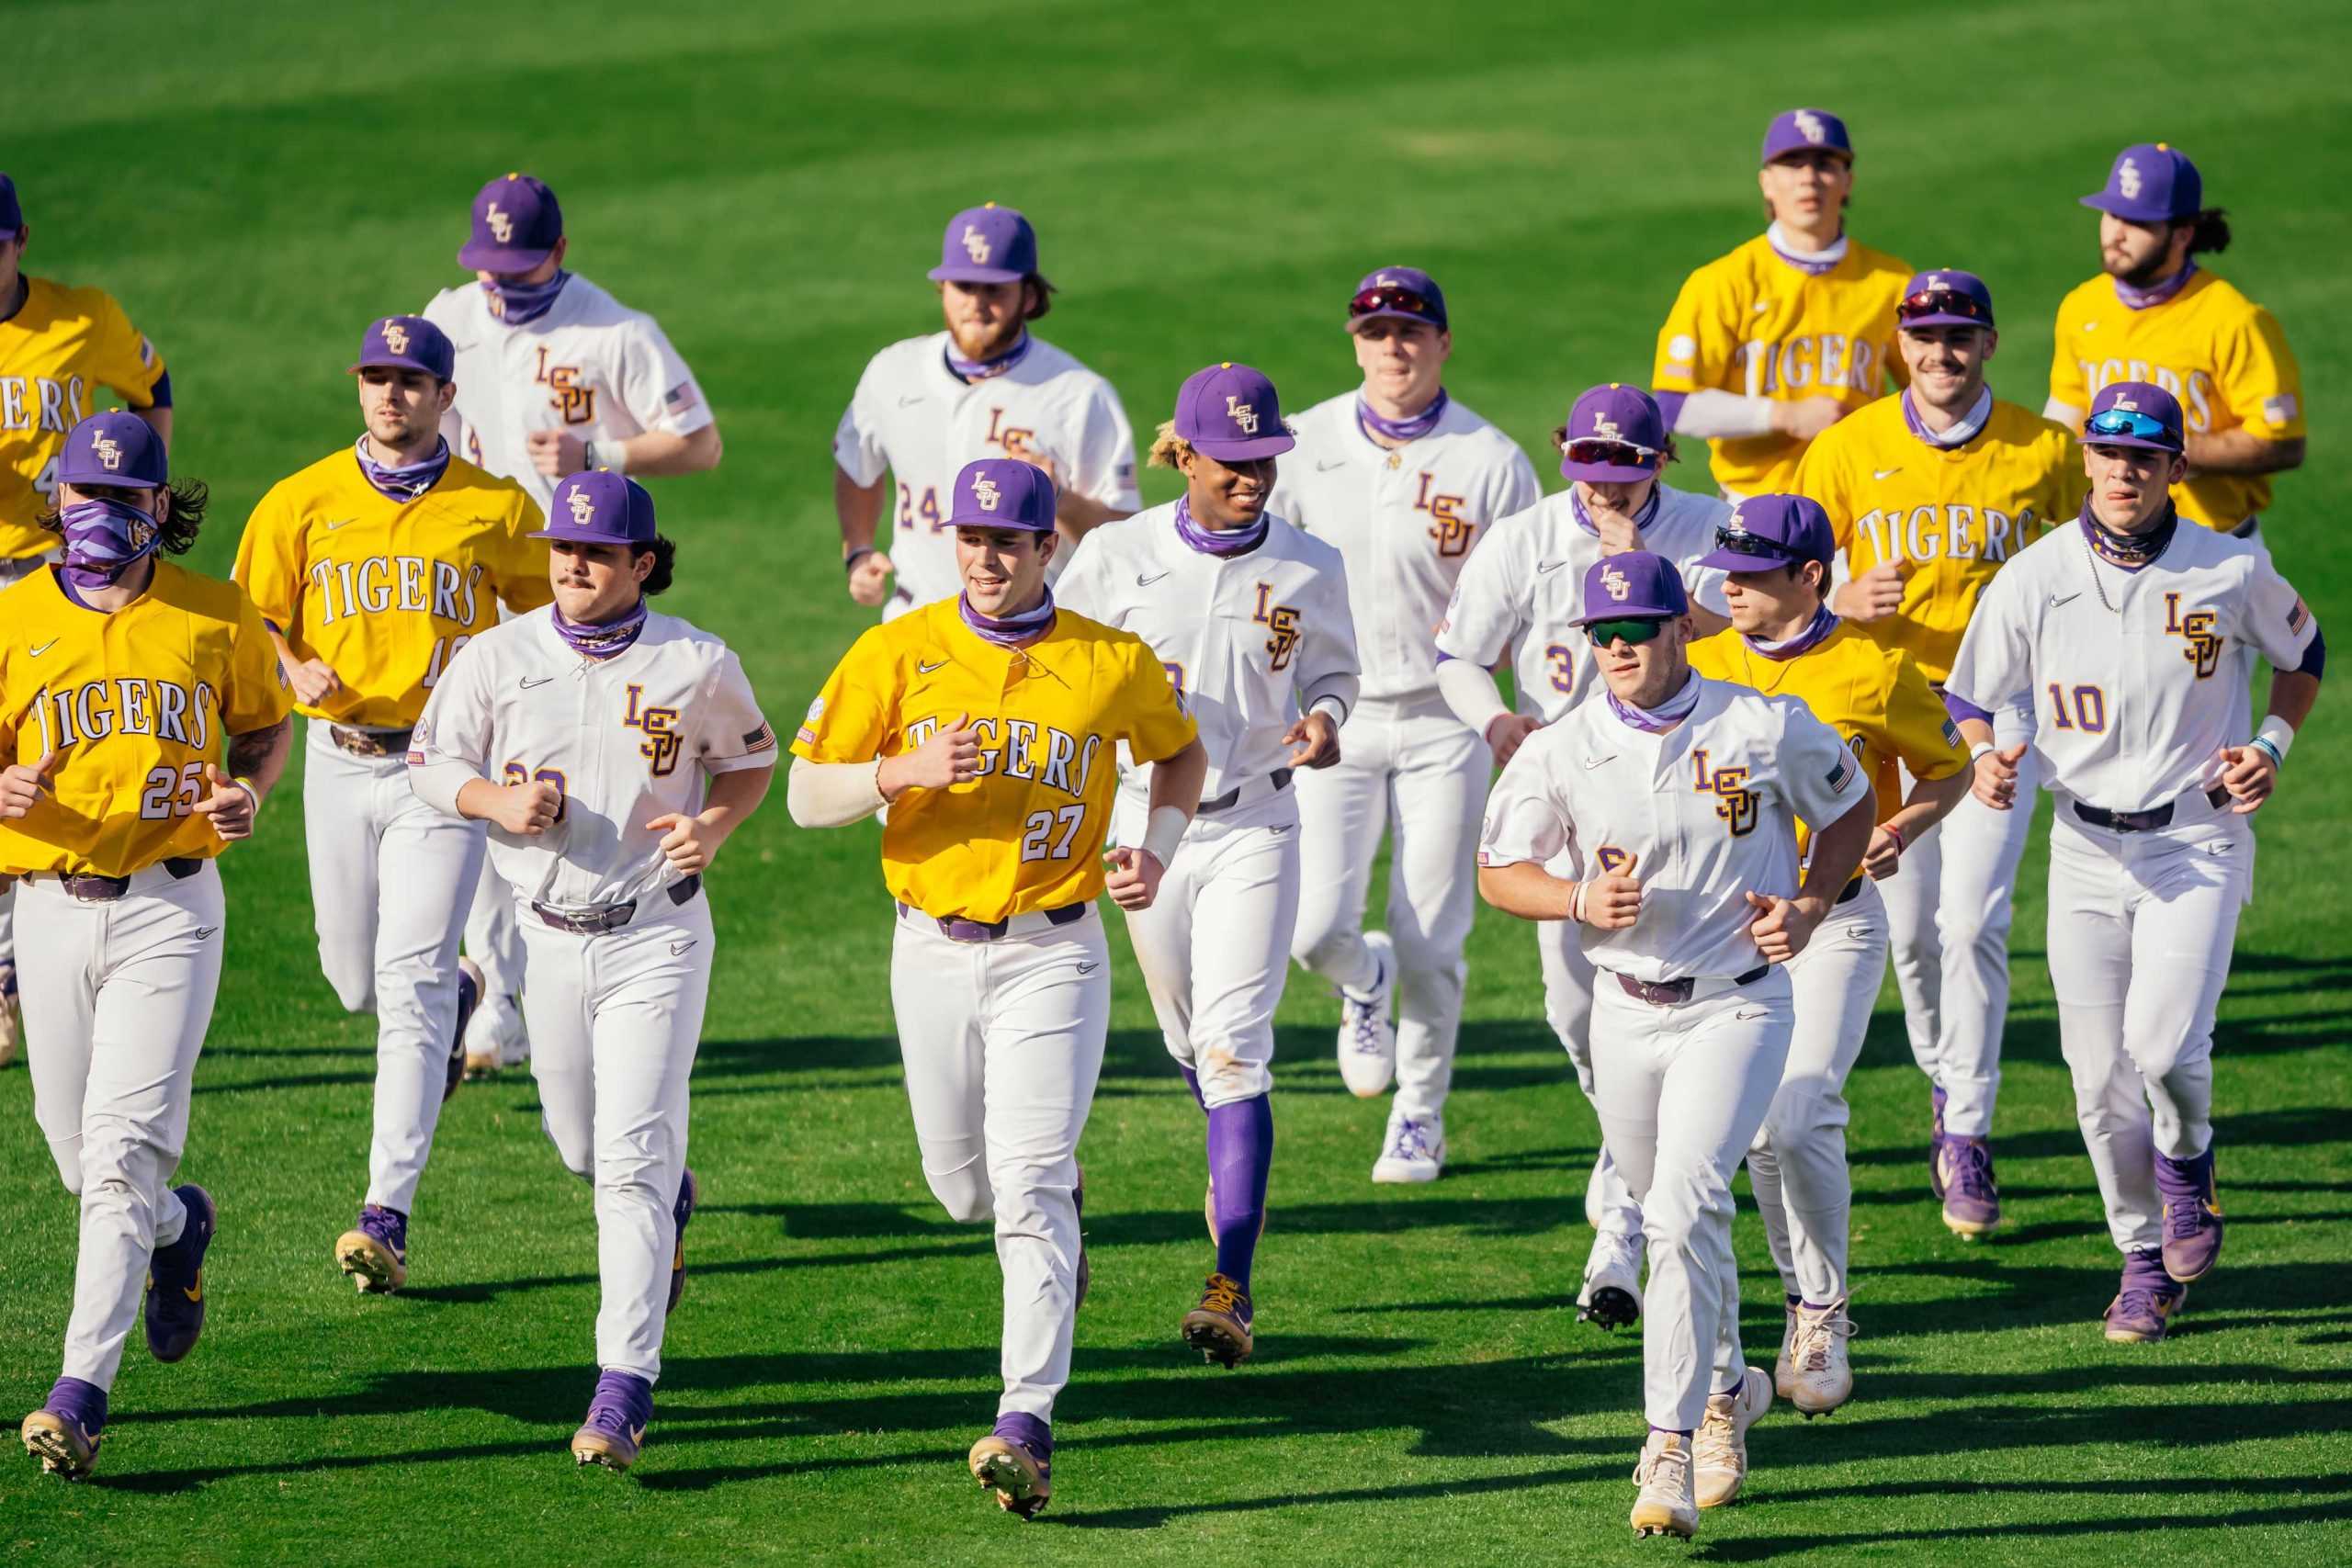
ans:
x=613 y=1433
x=689 y=1194
x=64 y=1433
x=1016 y=1462
x=1220 y=1327
x=175 y=1307
x=375 y=1252
x=2143 y=1310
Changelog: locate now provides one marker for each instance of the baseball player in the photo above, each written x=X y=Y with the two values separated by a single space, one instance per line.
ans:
x=372 y=567
x=1771 y=344
x=1931 y=492
x=1249 y=618
x=1518 y=600
x=127 y=685
x=1405 y=482
x=2156 y=316
x=927 y=405
x=2137 y=639
x=612 y=751
x=1785 y=641
x=554 y=377
x=990 y=724
x=1671 y=803
x=58 y=346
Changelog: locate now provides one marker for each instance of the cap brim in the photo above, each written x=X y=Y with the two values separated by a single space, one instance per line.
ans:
x=2130 y=212
x=969 y=274
x=1777 y=153
x=995 y=523
x=1942 y=320
x=1632 y=612
x=2092 y=438
x=501 y=258
x=1606 y=473
x=587 y=536
x=1734 y=560
x=1244 y=451
x=389 y=362
x=83 y=478
x=1355 y=321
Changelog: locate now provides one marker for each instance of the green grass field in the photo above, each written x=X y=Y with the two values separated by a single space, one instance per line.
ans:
x=257 y=183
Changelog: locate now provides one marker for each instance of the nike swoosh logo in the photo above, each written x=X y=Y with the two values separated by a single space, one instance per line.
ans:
x=1550 y=564
x=906 y=402
x=1327 y=468
x=926 y=668
x=1592 y=763
x=1143 y=582
x=1282 y=828
x=2058 y=599
x=2090 y=326
x=1088 y=968
x=636 y=1437
x=195 y=1293
x=531 y=680
x=1762 y=306
x=44 y=647
x=678 y=947
x=339 y=523
x=203 y=932
x=1886 y=473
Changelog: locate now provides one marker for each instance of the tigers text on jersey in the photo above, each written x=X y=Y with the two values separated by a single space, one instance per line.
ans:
x=591 y=367
x=626 y=739
x=1751 y=324
x=1519 y=593
x=1249 y=641
x=63 y=345
x=134 y=702
x=1701 y=816
x=385 y=590
x=1406 y=518
x=916 y=420
x=1028 y=833
x=2221 y=353
x=2133 y=703
x=1955 y=515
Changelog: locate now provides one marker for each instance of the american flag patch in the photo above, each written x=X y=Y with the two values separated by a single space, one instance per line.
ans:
x=2297 y=616
x=1482 y=857
x=1843 y=773
x=762 y=740
x=683 y=396
x=147 y=354
x=416 y=759
x=2279 y=410
x=806 y=736
x=1951 y=733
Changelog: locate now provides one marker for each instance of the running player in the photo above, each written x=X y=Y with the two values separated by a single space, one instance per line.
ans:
x=612 y=751
x=1771 y=344
x=125 y=682
x=1406 y=482
x=990 y=724
x=2137 y=639
x=1249 y=616
x=372 y=566
x=1785 y=641
x=1931 y=492
x=1671 y=802
x=927 y=405
x=57 y=344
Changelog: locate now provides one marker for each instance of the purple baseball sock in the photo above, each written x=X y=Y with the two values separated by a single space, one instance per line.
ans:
x=1241 y=1149
x=1192 y=1082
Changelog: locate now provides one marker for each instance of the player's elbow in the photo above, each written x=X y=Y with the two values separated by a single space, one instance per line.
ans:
x=2285 y=455
x=703 y=450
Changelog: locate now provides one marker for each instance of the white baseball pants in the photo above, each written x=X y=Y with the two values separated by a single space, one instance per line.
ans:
x=1003 y=1045
x=1568 y=1007
x=494 y=941
x=116 y=998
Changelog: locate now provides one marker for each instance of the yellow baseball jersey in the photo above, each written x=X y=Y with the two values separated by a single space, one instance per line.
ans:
x=134 y=703
x=387 y=592
x=1953 y=514
x=1028 y=833
x=1750 y=323
x=1875 y=697
x=2221 y=353
x=54 y=353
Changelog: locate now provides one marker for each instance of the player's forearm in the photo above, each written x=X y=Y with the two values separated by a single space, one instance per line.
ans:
x=1705 y=622
x=2293 y=693
x=158 y=420
x=1929 y=802
x=857 y=508
x=454 y=789
x=1077 y=515
x=1176 y=781
x=1527 y=890
x=1473 y=695
x=665 y=453
x=733 y=796
x=2241 y=451
x=1975 y=731
x=832 y=794
x=2068 y=414
x=1334 y=693
x=1713 y=414
x=1837 y=852
x=258 y=756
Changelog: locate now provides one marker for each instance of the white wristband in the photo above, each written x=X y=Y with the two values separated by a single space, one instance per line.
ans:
x=605 y=452
x=1164 y=832
x=1976 y=753
x=2279 y=733
x=252 y=793
x=1576 y=905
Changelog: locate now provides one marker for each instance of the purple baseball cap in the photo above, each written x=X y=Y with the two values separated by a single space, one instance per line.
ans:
x=114 y=448
x=1614 y=415
x=1945 y=298
x=516 y=224
x=1229 y=411
x=1765 y=533
x=1406 y=292
x=987 y=244
x=1002 y=493
x=407 y=343
x=600 y=507
x=12 y=216
x=2151 y=183
x=1806 y=131
x=2135 y=413
x=1637 y=585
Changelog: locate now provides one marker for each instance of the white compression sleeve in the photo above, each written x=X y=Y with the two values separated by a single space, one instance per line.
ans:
x=1715 y=414
x=1471 y=693
x=831 y=794
x=438 y=784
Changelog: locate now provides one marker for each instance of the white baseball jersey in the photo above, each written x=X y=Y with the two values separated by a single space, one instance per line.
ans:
x=626 y=739
x=591 y=367
x=917 y=420
x=2138 y=678
x=1699 y=815
x=1406 y=518
x=1249 y=642
x=1519 y=594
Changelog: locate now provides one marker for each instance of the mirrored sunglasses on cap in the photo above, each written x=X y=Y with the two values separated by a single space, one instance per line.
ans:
x=1595 y=452
x=1741 y=542
x=1408 y=301
x=1632 y=629
x=2128 y=421
x=1941 y=302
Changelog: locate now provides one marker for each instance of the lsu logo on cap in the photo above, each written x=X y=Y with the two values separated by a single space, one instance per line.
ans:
x=2126 y=404
x=1809 y=126
x=985 y=488
x=1240 y=414
x=975 y=244
x=502 y=226
x=395 y=338
x=108 y=449
x=1619 y=586
x=583 y=508
x=1604 y=426
x=2127 y=180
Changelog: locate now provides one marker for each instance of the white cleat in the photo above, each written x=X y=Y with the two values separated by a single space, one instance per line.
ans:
x=1414 y=1149
x=1784 y=1369
x=1665 y=1506
x=1367 y=1037
x=1821 y=1378
x=1611 y=1296
x=1721 y=1442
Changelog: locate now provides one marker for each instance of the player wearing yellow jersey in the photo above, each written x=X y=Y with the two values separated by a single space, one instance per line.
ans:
x=1771 y=344
x=372 y=566
x=1931 y=492
x=125 y=681
x=2155 y=315
x=1785 y=641
x=990 y=724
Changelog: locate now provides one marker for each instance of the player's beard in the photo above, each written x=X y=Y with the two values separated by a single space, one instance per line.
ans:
x=2147 y=275
x=984 y=343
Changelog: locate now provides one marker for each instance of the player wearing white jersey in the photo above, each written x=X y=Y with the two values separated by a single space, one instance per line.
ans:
x=1406 y=481
x=926 y=406
x=612 y=751
x=1670 y=806
x=1250 y=618
x=1519 y=598
x=2135 y=635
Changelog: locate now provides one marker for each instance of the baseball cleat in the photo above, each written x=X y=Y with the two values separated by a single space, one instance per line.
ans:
x=1367 y=1037
x=1015 y=1462
x=1082 y=1277
x=375 y=1252
x=1720 y=1446
x=1820 y=1377
x=1784 y=1369
x=689 y=1194
x=2192 y=1216
x=9 y=1052
x=174 y=1306
x=1220 y=1327
x=1611 y=1296
x=1936 y=1144
x=1972 y=1201
x=1664 y=1505
x=613 y=1433
x=2143 y=1310
x=469 y=997
x=64 y=1433
x=1413 y=1151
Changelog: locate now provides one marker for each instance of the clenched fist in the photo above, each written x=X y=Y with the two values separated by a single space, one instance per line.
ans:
x=527 y=810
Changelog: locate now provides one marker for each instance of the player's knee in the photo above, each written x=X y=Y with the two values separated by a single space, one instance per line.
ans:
x=356 y=992
x=1229 y=1079
x=1319 y=948
x=965 y=1194
x=573 y=1145
x=2162 y=1053
x=68 y=1156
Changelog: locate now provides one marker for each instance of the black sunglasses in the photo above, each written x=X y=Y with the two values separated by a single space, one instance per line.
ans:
x=1740 y=541
x=1405 y=300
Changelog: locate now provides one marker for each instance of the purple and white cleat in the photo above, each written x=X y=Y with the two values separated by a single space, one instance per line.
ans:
x=2192 y=1216
x=2143 y=1310
x=63 y=1434
x=175 y=1314
x=689 y=1194
x=1936 y=1143
x=614 y=1432
x=1016 y=1462
x=375 y=1251
x=1972 y=1201
x=469 y=984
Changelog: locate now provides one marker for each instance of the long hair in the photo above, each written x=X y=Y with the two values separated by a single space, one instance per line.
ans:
x=183 y=518
x=1168 y=448
x=664 y=552
x=2208 y=232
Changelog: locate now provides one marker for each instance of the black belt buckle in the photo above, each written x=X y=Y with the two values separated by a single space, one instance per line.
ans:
x=91 y=889
x=1674 y=993
x=370 y=742
x=2146 y=821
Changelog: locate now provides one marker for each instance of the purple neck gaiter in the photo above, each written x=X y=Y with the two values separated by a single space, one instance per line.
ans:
x=1815 y=633
x=519 y=303
x=1412 y=427
x=602 y=641
x=2127 y=552
x=2143 y=299
x=981 y=370
x=1012 y=630
x=1663 y=717
x=1224 y=543
x=1813 y=264
x=103 y=539
x=1962 y=433
x=407 y=482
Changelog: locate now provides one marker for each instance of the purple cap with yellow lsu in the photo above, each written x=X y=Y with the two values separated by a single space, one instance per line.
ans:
x=2151 y=183
x=516 y=224
x=113 y=448
x=2135 y=413
x=1229 y=411
x=1615 y=435
x=987 y=244
x=1002 y=493
x=1767 y=532
x=1634 y=586
x=1806 y=131
x=406 y=342
x=599 y=507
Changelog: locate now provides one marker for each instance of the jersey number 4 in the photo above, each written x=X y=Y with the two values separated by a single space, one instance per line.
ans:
x=1034 y=843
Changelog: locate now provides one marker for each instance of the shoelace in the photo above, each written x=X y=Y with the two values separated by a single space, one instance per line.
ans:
x=1222 y=1295
x=1818 y=1337
x=1712 y=1443
x=1657 y=1466
x=2140 y=1301
x=1411 y=1142
x=2184 y=1218
x=1973 y=1170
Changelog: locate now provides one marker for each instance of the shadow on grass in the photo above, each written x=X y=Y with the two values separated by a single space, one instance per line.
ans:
x=2144 y=1527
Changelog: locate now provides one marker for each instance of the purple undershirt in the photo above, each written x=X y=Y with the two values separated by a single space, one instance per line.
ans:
x=1816 y=632
x=408 y=480
x=1963 y=432
x=982 y=369
x=2127 y=552
x=1641 y=519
